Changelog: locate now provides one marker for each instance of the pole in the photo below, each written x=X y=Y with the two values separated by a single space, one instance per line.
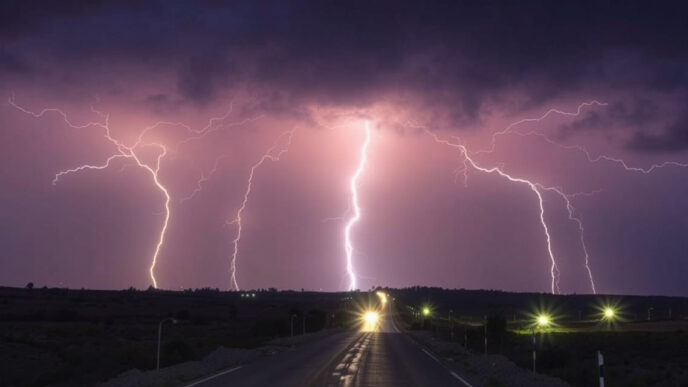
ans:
x=157 y=363
x=451 y=325
x=304 y=323
x=485 y=339
x=600 y=364
x=292 y=324
x=534 y=353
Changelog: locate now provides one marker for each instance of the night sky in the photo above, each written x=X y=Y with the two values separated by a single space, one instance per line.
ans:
x=305 y=77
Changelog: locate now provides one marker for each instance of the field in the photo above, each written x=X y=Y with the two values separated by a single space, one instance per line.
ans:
x=637 y=352
x=79 y=337
x=65 y=337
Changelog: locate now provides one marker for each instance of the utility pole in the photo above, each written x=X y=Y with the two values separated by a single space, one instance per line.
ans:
x=174 y=321
x=534 y=353
x=451 y=325
x=485 y=329
x=600 y=365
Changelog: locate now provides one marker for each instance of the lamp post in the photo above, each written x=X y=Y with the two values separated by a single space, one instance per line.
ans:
x=174 y=321
x=451 y=326
x=534 y=352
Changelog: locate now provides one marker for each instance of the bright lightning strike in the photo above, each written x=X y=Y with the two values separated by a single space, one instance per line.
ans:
x=581 y=229
x=533 y=187
x=273 y=154
x=130 y=153
x=353 y=186
x=537 y=188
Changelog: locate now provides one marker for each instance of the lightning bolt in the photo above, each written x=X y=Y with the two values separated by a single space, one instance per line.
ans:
x=511 y=130
x=581 y=229
x=589 y=158
x=533 y=187
x=602 y=157
x=125 y=152
x=273 y=154
x=353 y=187
x=538 y=188
x=203 y=179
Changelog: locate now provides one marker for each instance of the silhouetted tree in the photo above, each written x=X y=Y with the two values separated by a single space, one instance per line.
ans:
x=29 y=285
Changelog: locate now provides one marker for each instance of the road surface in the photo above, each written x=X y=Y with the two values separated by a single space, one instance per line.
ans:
x=384 y=357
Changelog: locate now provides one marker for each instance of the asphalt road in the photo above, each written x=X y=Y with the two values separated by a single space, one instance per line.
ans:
x=384 y=357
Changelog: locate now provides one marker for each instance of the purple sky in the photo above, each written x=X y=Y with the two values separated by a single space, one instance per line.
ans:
x=322 y=69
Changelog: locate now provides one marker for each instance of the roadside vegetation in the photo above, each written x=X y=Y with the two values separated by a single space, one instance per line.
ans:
x=637 y=351
x=64 y=337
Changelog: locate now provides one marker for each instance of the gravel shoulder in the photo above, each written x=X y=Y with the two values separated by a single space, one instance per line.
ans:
x=220 y=359
x=491 y=370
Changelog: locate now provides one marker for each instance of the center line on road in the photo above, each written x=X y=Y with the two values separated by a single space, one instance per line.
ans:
x=213 y=376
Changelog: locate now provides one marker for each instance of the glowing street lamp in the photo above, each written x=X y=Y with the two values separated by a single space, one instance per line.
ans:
x=426 y=311
x=543 y=321
x=370 y=321
x=609 y=314
x=382 y=296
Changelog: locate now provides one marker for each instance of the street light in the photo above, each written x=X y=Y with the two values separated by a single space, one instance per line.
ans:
x=426 y=311
x=543 y=320
x=451 y=325
x=609 y=313
x=174 y=321
x=370 y=319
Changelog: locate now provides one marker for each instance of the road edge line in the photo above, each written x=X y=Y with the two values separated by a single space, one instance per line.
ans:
x=213 y=376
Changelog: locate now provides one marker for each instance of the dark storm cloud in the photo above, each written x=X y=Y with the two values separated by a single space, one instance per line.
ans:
x=636 y=114
x=11 y=65
x=674 y=138
x=452 y=54
x=642 y=117
x=200 y=77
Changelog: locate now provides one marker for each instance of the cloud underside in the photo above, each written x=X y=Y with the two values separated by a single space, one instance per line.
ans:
x=454 y=57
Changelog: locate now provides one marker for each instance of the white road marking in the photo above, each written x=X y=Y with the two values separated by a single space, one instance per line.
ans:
x=213 y=376
x=431 y=355
x=454 y=374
